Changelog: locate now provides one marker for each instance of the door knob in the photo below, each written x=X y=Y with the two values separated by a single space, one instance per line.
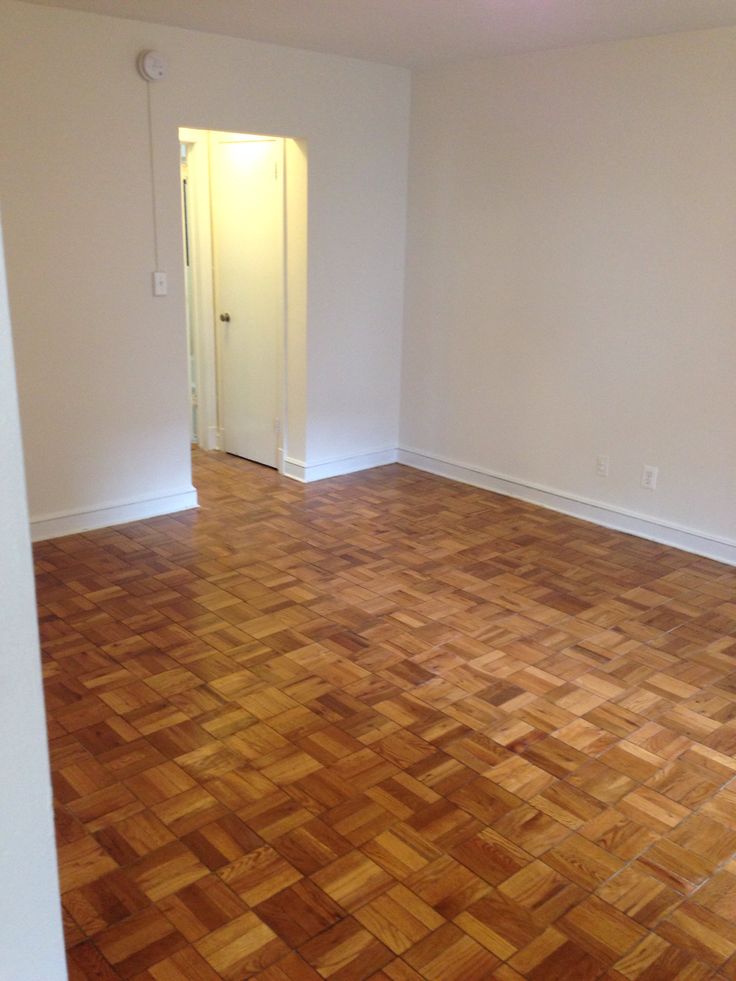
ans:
x=225 y=318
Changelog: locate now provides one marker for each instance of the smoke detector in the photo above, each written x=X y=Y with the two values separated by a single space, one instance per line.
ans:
x=152 y=66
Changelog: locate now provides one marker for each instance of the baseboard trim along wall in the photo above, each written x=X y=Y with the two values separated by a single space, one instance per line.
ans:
x=106 y=515
x=619 y=519
x=606 y=515
x=307 y=472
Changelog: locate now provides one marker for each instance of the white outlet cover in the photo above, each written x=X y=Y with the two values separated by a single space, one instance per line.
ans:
x=649 y=477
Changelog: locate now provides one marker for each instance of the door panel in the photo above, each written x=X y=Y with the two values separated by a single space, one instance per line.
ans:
x=248 y=244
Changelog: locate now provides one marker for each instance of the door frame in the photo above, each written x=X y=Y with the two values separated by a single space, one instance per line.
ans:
x=201 y=312
x=205 y=323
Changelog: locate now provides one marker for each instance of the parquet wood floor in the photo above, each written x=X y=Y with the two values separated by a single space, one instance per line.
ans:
x=392 y=727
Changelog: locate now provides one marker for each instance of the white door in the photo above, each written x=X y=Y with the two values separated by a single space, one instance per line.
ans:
x=248 y=246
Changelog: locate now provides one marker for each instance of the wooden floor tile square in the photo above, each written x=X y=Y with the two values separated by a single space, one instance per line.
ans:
x=81 y=862
x=500 y=924
x=388 y=726
x=101 y=903
x=221 y=842
x=359 y=819
x=188 y=811
x=241 y=948
x=719 y=895
x=401 y=851
x=448 y=954
x=353 y=880
x=165 y=870
x=105 y=807
x=722 y=807
x=542 y=891
x=705 y=837
x=618 y=834
x=641 y=896
x=259 y=874
x=653 y=810
x=138 y=942
x=535 y=831
x=700 y=931
x=583 y=862
x=602 y=782
x=484 y=799
x=399 y=918
x=300 y=912
x=201 y=907
x=160 y=783
x=293 y=967
x=654 y=958
x=553 y=957
x=84 y=961
x=491 y=856
x=601 y=929
x=520 y=777
x=134 y=837
x=185 y=965
x=311 y=846
x=682 y=782
x=679 y=867
x=567 y=805
x=402 y=795
x=346 y=951
x=448 y=886
x=443 y=824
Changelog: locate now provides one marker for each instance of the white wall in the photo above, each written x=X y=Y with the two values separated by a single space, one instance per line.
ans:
x=102 y=363
x=571 y=276
x=31 y=940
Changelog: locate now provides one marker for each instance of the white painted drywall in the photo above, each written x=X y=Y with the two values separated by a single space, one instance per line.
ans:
x=571 y=272
x=31 y=941
x=101 y=362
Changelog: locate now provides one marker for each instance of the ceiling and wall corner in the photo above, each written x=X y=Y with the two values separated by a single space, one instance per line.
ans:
x=418 y=33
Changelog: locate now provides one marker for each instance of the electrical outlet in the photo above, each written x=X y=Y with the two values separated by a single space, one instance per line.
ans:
x=602 y=465
x=160 y=285
x=649 y=477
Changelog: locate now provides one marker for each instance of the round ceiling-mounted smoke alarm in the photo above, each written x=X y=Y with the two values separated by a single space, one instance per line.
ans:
x=151 y=66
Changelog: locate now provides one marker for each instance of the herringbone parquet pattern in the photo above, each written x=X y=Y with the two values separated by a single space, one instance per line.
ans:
x=391 y=727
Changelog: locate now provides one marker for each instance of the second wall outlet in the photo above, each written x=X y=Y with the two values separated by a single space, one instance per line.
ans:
x=602 y=465
x=649 y=477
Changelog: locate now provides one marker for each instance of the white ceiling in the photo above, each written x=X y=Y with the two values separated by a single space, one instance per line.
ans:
x=422 y=32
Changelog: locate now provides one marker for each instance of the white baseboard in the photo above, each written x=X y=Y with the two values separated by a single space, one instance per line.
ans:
x=211 y=438
x=620 y=519
x=307 y=472
x=48 y=526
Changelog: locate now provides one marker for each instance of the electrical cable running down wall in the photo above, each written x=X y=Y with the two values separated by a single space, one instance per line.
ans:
x=152 y=68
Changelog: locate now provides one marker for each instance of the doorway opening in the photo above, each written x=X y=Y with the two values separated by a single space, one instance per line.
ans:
x=244 y=213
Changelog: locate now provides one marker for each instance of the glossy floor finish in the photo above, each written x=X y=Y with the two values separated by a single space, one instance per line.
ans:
x=389 y=726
